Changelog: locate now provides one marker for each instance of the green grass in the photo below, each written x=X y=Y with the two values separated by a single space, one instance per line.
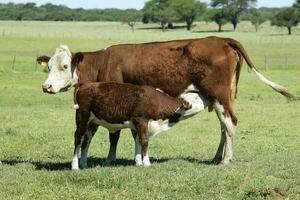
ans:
x=36 y=130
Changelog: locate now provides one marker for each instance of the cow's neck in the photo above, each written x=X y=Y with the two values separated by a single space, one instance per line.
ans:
x=92 y=68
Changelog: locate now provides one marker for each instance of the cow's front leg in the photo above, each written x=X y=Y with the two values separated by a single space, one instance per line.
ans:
x=113 y=139
x=88 y=136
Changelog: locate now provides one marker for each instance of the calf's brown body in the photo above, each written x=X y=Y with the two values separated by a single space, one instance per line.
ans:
x=117 y=103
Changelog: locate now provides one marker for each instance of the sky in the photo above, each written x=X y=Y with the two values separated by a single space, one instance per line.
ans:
x=138 y=4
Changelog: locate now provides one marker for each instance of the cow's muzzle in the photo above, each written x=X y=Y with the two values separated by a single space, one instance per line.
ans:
x=47 y=88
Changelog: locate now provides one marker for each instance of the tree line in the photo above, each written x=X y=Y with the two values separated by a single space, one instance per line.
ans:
x=163 y=12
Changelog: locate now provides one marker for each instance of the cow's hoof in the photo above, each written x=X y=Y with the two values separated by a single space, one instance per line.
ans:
x=216 y=161
x=226 y=161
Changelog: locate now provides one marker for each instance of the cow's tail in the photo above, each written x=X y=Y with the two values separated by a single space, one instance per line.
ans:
x=76 y=106
x=278 y=88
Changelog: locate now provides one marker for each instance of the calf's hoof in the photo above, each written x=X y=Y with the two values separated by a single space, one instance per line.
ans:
x=75 y=168
x=74 y=165
x=147 y=164
x=84 y=166
x=139 y=163
x=109 y=163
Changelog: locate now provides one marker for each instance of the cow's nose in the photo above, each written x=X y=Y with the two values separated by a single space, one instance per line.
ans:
x=47 y=88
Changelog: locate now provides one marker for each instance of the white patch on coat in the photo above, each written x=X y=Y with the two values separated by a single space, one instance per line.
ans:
x=191 y=87
x=112 y=127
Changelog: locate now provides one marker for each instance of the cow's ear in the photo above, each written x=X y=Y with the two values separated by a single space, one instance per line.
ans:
x=43 y=60
x=77 y=58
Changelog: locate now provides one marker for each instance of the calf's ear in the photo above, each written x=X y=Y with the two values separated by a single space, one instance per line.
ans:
x=77 y=58
x=43 y=60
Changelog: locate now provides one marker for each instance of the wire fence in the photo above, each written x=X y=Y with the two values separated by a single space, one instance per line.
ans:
x=26 y=61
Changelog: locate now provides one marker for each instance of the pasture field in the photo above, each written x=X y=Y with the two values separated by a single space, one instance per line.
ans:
x=36 y=130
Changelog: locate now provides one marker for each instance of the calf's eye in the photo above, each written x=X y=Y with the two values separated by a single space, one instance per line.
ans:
x=65 y=66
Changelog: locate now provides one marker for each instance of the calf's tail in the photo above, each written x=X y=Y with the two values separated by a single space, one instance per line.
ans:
x=278 y=88
x=76 y=106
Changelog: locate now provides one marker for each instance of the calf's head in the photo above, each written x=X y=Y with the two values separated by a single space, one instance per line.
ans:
x=62 y=74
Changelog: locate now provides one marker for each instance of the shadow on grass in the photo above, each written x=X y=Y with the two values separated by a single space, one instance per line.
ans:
x=276 y=34
x=212 y=31
x=94 y=162
x=160 y=28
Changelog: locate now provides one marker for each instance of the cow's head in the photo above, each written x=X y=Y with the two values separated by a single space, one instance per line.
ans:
x=62 y=74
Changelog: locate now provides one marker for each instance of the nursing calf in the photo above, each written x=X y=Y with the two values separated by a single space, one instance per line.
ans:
x=115 y=106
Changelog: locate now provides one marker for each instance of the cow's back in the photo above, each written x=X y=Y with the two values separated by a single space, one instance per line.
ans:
x=170 y=66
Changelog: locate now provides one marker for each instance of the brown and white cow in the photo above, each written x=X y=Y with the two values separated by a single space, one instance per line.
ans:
x=211 y=65
x=116 y=106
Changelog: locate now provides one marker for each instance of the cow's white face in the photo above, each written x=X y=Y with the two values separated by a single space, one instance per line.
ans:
x=61 y=75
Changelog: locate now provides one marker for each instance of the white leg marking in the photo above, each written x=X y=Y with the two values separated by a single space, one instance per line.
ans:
x=76 y=156
x=138 y=152
x=146 y=161
x=75 y=163
x=228 y=130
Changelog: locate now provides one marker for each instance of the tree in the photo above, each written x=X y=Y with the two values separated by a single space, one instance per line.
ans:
x=131 y=17
x=159 y=11
x=297 y=5
x=287 y=18
x=220 y=18
x=233 y=8
x=187 y=10
x=256 y=18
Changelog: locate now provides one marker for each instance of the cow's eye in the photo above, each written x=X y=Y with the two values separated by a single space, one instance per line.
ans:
x=65 y=66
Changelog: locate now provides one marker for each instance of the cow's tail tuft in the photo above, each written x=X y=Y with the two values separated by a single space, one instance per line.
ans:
x=278 y=88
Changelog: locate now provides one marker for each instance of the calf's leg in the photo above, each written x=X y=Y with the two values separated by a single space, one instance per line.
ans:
x=138 y=149
x=113 y=139
x=141 y=126
x=81 y=127
x=88 y=136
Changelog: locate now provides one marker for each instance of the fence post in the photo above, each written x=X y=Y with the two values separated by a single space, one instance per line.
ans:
x=13 y=63
x=266 y=63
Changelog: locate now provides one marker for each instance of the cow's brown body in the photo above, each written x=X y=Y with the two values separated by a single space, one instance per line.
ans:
x=212 y=65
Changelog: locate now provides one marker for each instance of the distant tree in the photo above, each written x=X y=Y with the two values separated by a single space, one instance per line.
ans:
x=297 y=5
x=219 y=18
x=256 y=18
x=187 y=10
x=131 y=17
x=287 y=18
x=233 y=8
x=159 y=11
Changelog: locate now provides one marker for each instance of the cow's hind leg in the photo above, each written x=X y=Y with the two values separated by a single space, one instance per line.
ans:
x=88 y=136
x=113 y=139
x=228 y=122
